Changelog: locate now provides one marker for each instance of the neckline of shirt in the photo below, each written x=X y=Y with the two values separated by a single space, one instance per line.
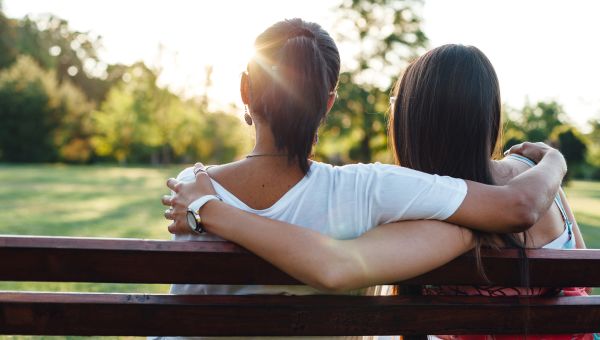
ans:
x=279 y=204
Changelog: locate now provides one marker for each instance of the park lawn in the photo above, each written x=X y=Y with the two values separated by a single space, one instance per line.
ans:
x=111 y=201
x=99 y=201
x=584 y=198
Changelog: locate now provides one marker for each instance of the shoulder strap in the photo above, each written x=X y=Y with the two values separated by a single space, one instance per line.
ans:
x=522 y=159
x=557 y=199
x=563 y=212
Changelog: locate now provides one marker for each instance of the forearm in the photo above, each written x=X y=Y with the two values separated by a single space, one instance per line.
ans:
x=301 y=252
x=516 y=206
x=537 y=187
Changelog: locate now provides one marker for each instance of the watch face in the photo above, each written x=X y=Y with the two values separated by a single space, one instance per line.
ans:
x=191 y=220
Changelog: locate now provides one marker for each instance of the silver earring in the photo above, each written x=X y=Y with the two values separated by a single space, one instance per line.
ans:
x=247 y=117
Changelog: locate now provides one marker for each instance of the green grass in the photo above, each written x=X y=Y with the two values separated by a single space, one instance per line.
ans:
x=83 y=200
x=102 y=201
x=110 y=201
x=584 y=198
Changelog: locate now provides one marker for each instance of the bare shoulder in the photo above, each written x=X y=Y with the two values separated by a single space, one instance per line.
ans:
x=224 y=171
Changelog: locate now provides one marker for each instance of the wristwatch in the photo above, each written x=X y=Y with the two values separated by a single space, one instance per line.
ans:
x=193 y=213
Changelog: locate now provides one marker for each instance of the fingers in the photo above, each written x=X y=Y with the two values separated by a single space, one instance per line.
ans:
x=518 y=148
x=171 y=228
x=521 y=148
x=169 y=214
x=199 y=169
x=179 y=228
x=173 y=184
x=167 y=200
x=533 y=151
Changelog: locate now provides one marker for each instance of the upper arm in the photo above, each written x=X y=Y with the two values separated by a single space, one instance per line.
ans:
x=395 y=193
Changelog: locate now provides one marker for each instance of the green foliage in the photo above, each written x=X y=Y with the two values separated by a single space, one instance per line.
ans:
x=142 y=122
x=389 y=35
x=533 y=123
x=592 y=170
x=8 y=52
x=29 y=113
x=42 y=120
x=59 y=102
x=72 y=54
x=54 y=45
x=546 y=122
x=571 y=142
x=356 y=128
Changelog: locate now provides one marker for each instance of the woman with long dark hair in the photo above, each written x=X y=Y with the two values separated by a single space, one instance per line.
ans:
x=446 y=120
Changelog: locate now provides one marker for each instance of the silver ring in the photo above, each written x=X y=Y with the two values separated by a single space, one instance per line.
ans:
x=168 y=211
x=196 y=171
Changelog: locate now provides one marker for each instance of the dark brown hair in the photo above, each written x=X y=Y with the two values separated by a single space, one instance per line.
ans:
x=296 y=67
x=446 y=120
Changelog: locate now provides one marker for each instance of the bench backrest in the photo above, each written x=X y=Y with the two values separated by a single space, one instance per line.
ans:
x=148 y=261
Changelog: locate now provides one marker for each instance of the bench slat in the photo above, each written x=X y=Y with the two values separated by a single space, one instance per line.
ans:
x=138 y=315
x=151 y=261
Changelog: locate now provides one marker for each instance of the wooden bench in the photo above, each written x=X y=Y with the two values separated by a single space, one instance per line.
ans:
x=146 y=261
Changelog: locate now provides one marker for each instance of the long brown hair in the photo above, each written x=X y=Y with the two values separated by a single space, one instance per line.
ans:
x=446 y=120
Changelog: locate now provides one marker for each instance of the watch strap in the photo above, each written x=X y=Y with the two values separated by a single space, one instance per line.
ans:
x=194 y=209
x=196 y=205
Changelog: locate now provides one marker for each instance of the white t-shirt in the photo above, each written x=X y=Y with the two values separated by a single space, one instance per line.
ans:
x=342 y=202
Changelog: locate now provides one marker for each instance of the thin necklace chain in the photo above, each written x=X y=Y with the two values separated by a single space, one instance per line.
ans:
x=266 y=155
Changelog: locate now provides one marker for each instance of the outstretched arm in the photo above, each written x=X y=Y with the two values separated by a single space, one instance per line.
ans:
x=385 y=254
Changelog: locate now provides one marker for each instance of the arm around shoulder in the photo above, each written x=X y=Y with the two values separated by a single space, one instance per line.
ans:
x=520 y=203
x=385 y=254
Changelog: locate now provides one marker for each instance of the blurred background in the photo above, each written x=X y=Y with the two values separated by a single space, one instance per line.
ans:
x=101 y=101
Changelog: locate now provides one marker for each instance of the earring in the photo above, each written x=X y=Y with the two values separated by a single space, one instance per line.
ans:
x=247 y=117
x=316 y=140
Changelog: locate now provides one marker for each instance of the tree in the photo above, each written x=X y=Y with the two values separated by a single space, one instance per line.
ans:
x=593 y=155
x=573 y=146
x=123 y=122
x=39 y=116
x=387 y=34
x=533 y=123
x=8 y=52
x=142 y=122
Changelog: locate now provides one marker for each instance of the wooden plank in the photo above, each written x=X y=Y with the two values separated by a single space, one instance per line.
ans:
x=139 y=315
x=132 y=261
x=151 y=261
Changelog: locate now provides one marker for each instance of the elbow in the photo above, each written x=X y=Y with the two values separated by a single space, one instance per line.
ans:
x=525 y=213
x=331 y=281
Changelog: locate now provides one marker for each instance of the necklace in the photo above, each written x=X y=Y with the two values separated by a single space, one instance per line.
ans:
x=266 y=155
